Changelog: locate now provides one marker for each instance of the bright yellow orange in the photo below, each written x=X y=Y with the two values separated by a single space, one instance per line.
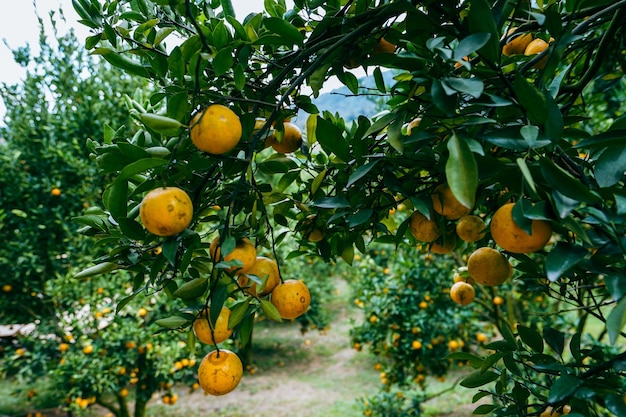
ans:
x=142 y=312
x=265 y=269
x=291 y=298
x=416 y=344
x=462 y=293
x=446 y=204
x=219 y=333
x=488 y=266
x=166 y=211
x=412 y=125
x=7 y=288
x=56 y=192
x=481 y=337
x=471 y=228
x=537 y=46
x=220 y=372
x=88 y=349
x=216 y=130
x=497 y=300
x=517 y=45
x=64 y=347
x=422 y=228
x=512 y=238
x=244 y=252
x=383 y=46
x=551 y=412
x=291 y=142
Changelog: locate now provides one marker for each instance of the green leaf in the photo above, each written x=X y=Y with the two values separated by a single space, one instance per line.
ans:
x=379 y=80
x=563 y=388
x=227 y=8
x=610 y=166
x=481 y=21
x=521 y=163
x=115 y=199
x=332 y=140
x=533 y=100
x=470 y=44
x=317 y=181
x=565 y=183
x=360 y=172
x=615 y=404
x=131 y=228
x=123 y=62
x=141 y=166
x=531 y=338
x=562 y=258
x=484 y=409
x=616 y=320
x=161 y=124
x=99 y=269
x=223 y=61
x=360 y=217
x=192 y=289
x=444 y=102
x=471 y=86
x=474 y=361
x=462 y=171
x=172 y=322
x=616 y=285
x=478 y=379
x=331 y=202
x=350 y=81
x=288 y=32
x=238 y=313
x=555 y=339
x=394 y=135
x=270 y=311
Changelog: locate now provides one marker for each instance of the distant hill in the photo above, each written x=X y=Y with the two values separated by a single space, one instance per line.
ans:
x=349 y=106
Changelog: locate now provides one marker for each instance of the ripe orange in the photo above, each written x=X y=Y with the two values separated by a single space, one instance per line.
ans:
x=412 y=125
x=481 y=337
x=219 y=333
x=422 y=228
x=220 y=372
x=7 y=288
x=471 y=228
x=291 y=142
x=384 y=47
x=462 y=293
x=267 y=270
x=142 y=312
x=537 y=46
x=517 y=45
x=291 y=298
x=551 y=412
x=444 y=246
x=64 y=347
x=166 y=211
x=416 y=344
x=215 y=130
x=88 y=349
x=56 y=192
x=244 y=252
x=446 y=204
x=488 y=266
x=123 y=392
x=453 y=345
x=461 y=274
x=315 y=235
x=510 y=237
x=497 y=300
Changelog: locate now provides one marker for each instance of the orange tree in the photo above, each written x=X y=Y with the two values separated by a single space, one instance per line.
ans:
x=494 y=127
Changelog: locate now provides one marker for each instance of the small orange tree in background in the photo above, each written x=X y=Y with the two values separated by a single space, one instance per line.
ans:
x=494 y=128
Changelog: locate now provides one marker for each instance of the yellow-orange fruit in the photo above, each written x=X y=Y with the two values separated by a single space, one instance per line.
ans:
x=215 y=130
x=244 y=252
x=265 y=269
x=462 y=293
x=291 y=298
x=422 y=228
x=537 y=46
x=220 y=372
x=166 y=211
x=291 y=141
x=470 y=228
x=518 y=44
x=488 y=266
x=446 y=204
x=220 y=331
x=512 y=238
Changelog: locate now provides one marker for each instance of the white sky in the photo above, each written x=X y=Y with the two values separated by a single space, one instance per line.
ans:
x=19 y=27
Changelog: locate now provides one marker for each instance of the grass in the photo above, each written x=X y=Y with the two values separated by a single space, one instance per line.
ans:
x=17 y=397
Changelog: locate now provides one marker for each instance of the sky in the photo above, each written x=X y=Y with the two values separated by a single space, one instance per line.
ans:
x=19 y=27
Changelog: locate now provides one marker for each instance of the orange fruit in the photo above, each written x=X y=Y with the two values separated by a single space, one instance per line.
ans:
x=462 y=293
x=63 y=347
x=265 y=269
x=7 y=288
x=315 y=235
x=212 y=334
x=446 y=204
x=56 y=192
x=215 y=130
x=517 y=45
x=461 y=274
x=471 y=228
x=537 y=46
x=481 y=337
x=244 y=252
x=291 y=298
x=422 y=228
x=453 y=345
x=497 y=300
x=551 y=412
x=416 y=344
x=444 y=246
x=488 y=266
x=383 y=46
x=220 y=372
x=166 y=211
x=142 y=312
x=88 y=349
x=291 y=141
x=123 y=392
x=512 y=238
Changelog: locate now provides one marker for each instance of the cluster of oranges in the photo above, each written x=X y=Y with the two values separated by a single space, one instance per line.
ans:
x=486 y=265
x=525 y=44
x=168 y=211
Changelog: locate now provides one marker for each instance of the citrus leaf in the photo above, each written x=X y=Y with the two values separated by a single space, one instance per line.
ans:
x=270 y=311
x=192 y=289
x=533 y=100
x=360 y=172
x=563 y=388
x=288 y=32
x=115 y=199
x=562 y=258
x=478 y=379
x=462 y=171
x=521 y=163
x=531 y=338
x=172 y=322
x=161 y=124
x=140 y=166
x=481 y=21
x=565 y=183
x=470 y=44
x=99 y=269
x=616 y=320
